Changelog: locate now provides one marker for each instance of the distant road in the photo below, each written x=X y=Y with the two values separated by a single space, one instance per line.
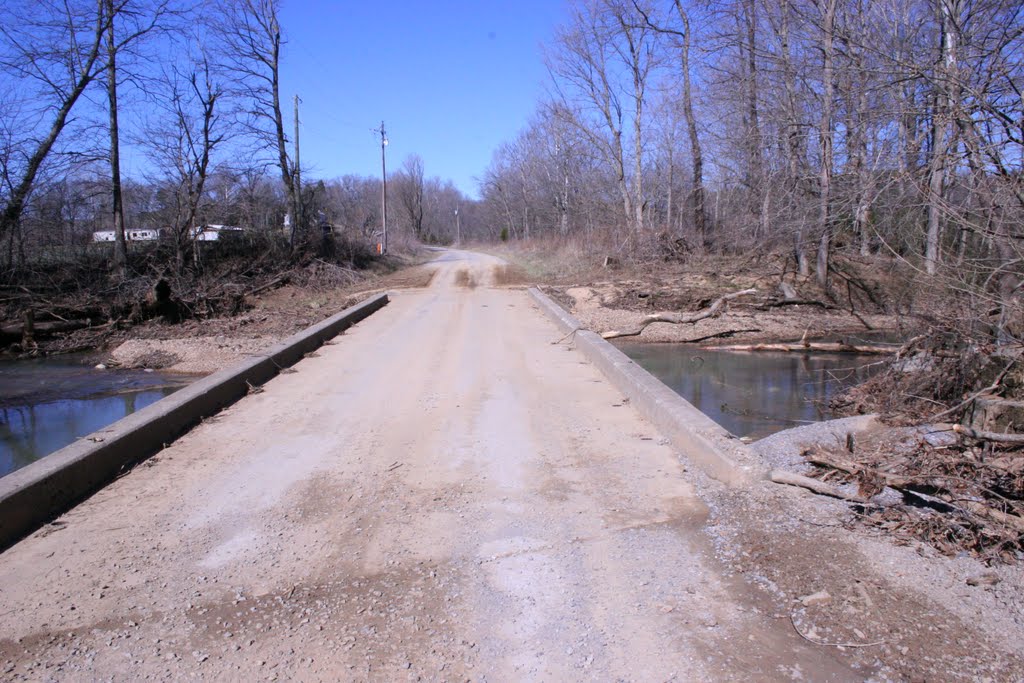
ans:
x=443 y=492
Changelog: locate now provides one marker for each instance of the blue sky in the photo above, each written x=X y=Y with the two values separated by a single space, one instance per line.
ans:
x=451 y=79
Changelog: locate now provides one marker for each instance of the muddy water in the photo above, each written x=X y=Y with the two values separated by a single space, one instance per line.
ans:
x=754 y=394
x=46 y=404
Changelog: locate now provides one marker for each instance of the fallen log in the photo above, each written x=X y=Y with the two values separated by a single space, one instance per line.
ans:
x=16 y=331
x=779 y=303
x=816 y=485
x=830 y=347
x=282 y=280
x=717 y=335
x=714 y=310
x=994 y=437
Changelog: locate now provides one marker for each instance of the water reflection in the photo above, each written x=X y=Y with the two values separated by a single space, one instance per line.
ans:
x=47 y=404
x=29 y=432
x=754 y=394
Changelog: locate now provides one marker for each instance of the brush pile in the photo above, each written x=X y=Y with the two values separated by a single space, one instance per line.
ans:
x=957 y=480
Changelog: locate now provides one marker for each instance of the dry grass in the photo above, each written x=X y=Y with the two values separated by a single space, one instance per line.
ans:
x=548 y=261
x=510 y=276
x=412 y=278
x=464 y=278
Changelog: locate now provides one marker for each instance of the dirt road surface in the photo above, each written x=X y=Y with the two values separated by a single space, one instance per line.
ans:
x=441 y=493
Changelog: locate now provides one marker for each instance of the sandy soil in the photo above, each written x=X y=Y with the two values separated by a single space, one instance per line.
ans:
x=206 y=346
x=442 y=493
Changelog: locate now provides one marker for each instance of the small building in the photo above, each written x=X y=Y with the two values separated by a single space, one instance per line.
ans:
x=134 y=235
x=214 y=232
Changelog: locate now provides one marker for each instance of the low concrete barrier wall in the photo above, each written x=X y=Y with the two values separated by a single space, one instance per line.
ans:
x=693 y=433
x=38 y=492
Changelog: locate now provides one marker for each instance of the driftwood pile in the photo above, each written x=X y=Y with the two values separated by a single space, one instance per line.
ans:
x=964 y=495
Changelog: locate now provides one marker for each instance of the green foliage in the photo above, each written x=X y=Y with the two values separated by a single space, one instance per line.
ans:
x=504 y=235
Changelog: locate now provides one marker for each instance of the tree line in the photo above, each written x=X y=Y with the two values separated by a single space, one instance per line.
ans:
x=194 y=91
x=888 y=127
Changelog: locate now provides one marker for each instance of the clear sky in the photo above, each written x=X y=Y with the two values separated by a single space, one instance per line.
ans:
x=451 y=79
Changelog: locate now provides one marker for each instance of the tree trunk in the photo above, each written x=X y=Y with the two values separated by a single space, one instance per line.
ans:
x=287 y=175
x=828 y=10
x=858 y=135
x=117 y=205
x=793 y=152
x=755 y=157
x=639 y=94
x=670 y=197
x=699 y=213
x=940 y=138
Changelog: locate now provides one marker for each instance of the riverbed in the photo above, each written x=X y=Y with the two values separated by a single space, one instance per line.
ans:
x=46 y=404
x=754 y=394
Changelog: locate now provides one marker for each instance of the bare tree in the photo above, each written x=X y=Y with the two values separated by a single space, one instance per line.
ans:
x=410 y=193
x=827 y=9
x=684 y=38
x=182 y=146
x=605 y=40
x=55 y=47
x=252 y=35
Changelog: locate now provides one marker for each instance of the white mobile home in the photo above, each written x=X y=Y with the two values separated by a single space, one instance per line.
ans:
x=130 y=235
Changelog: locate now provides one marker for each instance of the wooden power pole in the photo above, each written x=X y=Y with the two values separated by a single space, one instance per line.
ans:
x=384 y=189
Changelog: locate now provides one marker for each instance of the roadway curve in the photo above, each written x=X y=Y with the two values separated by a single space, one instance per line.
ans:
x=442 y=492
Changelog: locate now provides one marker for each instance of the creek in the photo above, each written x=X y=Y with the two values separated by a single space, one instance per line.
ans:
x=47 y=403
x=754 y=394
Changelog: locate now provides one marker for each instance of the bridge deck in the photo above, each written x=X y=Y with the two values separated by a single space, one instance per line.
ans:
x=442 y=492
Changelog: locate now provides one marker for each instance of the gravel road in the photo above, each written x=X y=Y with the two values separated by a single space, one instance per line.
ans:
x=442 y=493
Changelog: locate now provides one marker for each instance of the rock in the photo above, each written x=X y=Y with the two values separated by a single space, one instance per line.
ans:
x=985 y=579
x=938 y=435
x=101 y=366
x=919 y=363
x=819 y=598
x=887 y=497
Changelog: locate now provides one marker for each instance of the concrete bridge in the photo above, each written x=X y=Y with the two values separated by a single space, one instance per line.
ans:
x=440 y=493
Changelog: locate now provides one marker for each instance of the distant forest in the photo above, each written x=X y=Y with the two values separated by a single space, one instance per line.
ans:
x=671 y=128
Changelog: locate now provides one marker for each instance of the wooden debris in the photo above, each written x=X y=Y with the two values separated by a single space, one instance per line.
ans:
x=828 y=347
x=970 y=399
x=942 y=484
x=994 y=437
x=716 y=309
x=816 y=485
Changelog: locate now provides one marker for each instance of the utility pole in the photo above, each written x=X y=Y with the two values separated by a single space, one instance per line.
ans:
x=384 y=188
x=296 y=179
x=458 y=228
